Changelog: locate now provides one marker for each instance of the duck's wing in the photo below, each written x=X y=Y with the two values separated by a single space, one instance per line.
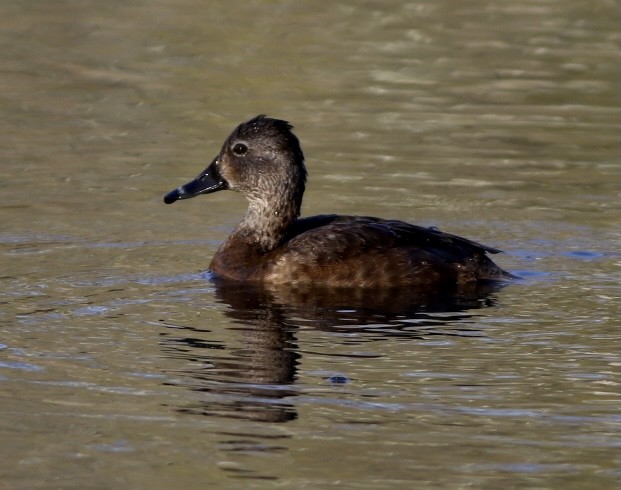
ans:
x=369 y=232
x=333 y=237
x=374 y=243
x=414 y=235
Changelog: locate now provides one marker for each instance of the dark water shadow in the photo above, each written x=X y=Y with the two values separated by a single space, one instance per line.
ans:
x=249 y=370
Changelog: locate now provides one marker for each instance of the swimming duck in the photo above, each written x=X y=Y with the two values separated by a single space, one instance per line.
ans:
x=262 y=159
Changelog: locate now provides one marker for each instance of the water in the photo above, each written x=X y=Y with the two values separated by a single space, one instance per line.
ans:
x=123 y=366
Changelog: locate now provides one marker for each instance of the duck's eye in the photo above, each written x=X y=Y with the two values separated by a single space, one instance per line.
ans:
x=240 y=149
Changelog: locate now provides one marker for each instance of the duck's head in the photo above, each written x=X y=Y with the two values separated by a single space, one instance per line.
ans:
x=261 y=159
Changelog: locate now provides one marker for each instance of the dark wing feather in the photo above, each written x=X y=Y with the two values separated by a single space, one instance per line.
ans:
x=401 y=251
x=376 y=232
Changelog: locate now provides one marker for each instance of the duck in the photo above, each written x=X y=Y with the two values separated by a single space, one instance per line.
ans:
x=272 y=245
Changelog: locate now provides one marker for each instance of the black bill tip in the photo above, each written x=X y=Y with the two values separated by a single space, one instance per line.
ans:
x=172 y=196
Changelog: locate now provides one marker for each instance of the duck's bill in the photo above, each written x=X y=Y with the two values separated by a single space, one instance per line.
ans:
x=208 y=181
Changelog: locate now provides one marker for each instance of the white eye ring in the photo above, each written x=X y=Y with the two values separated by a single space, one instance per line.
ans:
x=240 y=148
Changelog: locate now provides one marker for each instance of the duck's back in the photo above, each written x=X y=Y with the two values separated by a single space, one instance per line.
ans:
x=347 y=251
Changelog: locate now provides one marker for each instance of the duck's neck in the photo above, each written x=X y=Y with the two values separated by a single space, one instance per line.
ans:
x=266 y=222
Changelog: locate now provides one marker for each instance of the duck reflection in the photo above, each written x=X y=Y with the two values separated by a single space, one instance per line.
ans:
x=254 y=376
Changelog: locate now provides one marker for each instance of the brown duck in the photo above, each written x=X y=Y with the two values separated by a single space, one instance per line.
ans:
x=263 y=161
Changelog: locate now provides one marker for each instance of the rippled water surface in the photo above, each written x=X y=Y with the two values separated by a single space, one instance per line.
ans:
x=123 y=366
